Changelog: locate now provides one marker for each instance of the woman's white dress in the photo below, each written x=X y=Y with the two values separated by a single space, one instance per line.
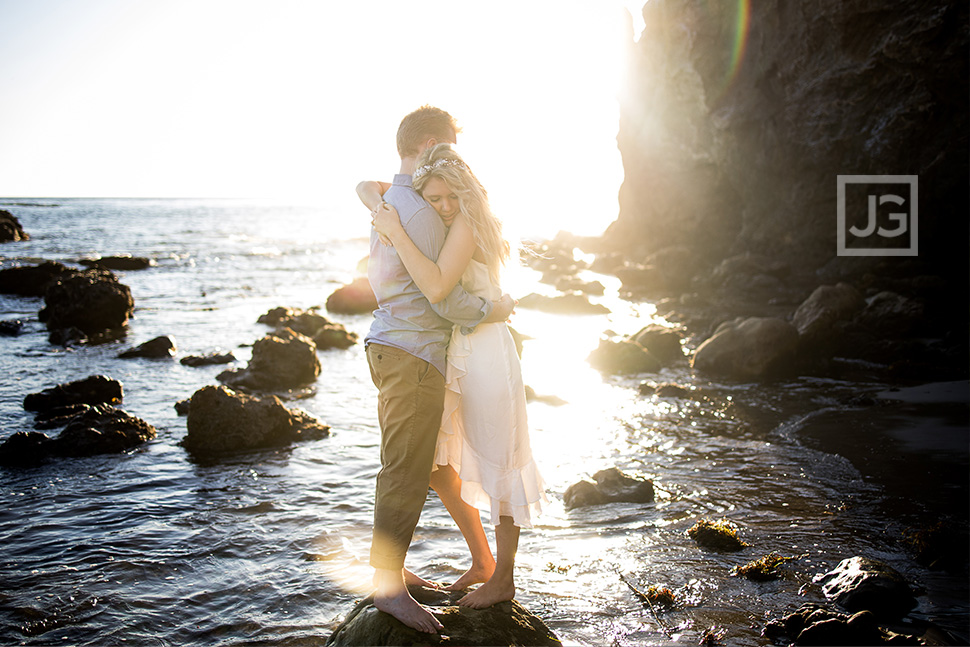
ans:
x=484 y=431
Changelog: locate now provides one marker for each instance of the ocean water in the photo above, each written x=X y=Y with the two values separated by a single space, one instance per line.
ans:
x=269 y=548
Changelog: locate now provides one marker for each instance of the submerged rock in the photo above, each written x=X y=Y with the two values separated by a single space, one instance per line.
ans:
x=716 y=535
x=100 y=429
x=11 y=327
x=563 y=304
x=122 y=262
x=506 y=623
x=281 y=360
x=208 y=359
x=750 y=348
x=92 y=301
x=863 y=584
x=96 y=389
x=815 y=625
x=155 y=348
x=10 y=228
x=222 y=421
x=608 y=486
x=355 y=298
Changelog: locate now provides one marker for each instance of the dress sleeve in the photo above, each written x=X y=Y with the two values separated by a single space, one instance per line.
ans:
x=428 y=234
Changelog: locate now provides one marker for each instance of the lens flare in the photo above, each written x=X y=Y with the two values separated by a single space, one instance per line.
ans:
x=742 y=24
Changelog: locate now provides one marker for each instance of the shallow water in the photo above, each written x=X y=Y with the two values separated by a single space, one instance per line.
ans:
x=151 y=548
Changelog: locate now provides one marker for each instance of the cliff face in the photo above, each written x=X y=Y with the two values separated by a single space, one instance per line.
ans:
x=726 y=158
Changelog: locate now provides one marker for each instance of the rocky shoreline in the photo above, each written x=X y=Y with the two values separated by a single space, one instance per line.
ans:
x=781 y=333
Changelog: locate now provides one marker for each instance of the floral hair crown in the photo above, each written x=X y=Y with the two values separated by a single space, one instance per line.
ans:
x=427 y=168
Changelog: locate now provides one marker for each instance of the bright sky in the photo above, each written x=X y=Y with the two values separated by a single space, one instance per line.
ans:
x=299 y=100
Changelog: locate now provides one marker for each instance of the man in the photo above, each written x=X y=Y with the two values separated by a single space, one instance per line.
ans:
x=406 y=349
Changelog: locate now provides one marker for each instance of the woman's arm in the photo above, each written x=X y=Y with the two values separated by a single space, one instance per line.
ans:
x=435 y=279
x=372 y=193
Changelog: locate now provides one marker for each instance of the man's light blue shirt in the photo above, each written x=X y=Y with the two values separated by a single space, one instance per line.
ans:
x=404 y=318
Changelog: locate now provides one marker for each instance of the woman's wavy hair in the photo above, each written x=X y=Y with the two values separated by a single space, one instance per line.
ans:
x=443 y=162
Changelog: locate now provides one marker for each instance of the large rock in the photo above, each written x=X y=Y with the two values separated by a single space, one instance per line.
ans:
x=221 y=421
x=31 y=280
x=355 y=298
x=735 y=125
x=10 y=229
x=281 y=360
x=96 y=389
x=100 y=429
x=750 y=348
x=608 y=486
x=92 y=301
x=506 y=623
x=863 y=584
x=818 y=319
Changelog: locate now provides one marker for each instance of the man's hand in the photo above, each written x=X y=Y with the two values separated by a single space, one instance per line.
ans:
x=501 y=309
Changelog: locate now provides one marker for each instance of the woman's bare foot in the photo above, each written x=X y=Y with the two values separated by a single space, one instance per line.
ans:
x=474 y=575
x=413 y=579
x=495 y=590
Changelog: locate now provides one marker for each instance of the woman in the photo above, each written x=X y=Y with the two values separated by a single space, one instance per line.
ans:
x=483 y=454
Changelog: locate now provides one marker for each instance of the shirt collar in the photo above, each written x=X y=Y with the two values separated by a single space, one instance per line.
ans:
x=402 y=180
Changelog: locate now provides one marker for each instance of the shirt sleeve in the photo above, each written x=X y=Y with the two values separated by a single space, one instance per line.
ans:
x=428 y=233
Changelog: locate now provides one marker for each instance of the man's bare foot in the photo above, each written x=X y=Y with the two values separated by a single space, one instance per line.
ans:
x=474 y=575
x=406 y=609
x=496 y=589
x=413 y=579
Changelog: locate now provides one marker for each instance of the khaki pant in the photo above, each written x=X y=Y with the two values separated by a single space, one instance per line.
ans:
x=410 y=403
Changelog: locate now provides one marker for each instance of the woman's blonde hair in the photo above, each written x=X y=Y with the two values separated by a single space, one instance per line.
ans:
x=443 y=162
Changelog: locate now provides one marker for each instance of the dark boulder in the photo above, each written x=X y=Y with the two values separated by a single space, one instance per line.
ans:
x=608 y=486
x=221 y=421
x=506 y=623
x=97 y=389
x=334 y=336
x=122 y=263
x=160 y=347
x=863 y=584
x=91 y=300
x=281 y=360
x=208 y=359
x=355 y=298
x=31 y=280
x=100 y=429
x=10 y=228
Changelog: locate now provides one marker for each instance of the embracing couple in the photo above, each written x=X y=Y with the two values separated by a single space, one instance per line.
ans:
x=451 y=402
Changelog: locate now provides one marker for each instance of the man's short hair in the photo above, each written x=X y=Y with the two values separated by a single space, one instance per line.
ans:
x=421 y=125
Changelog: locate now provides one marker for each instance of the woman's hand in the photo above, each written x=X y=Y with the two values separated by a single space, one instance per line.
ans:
x=387 y=222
